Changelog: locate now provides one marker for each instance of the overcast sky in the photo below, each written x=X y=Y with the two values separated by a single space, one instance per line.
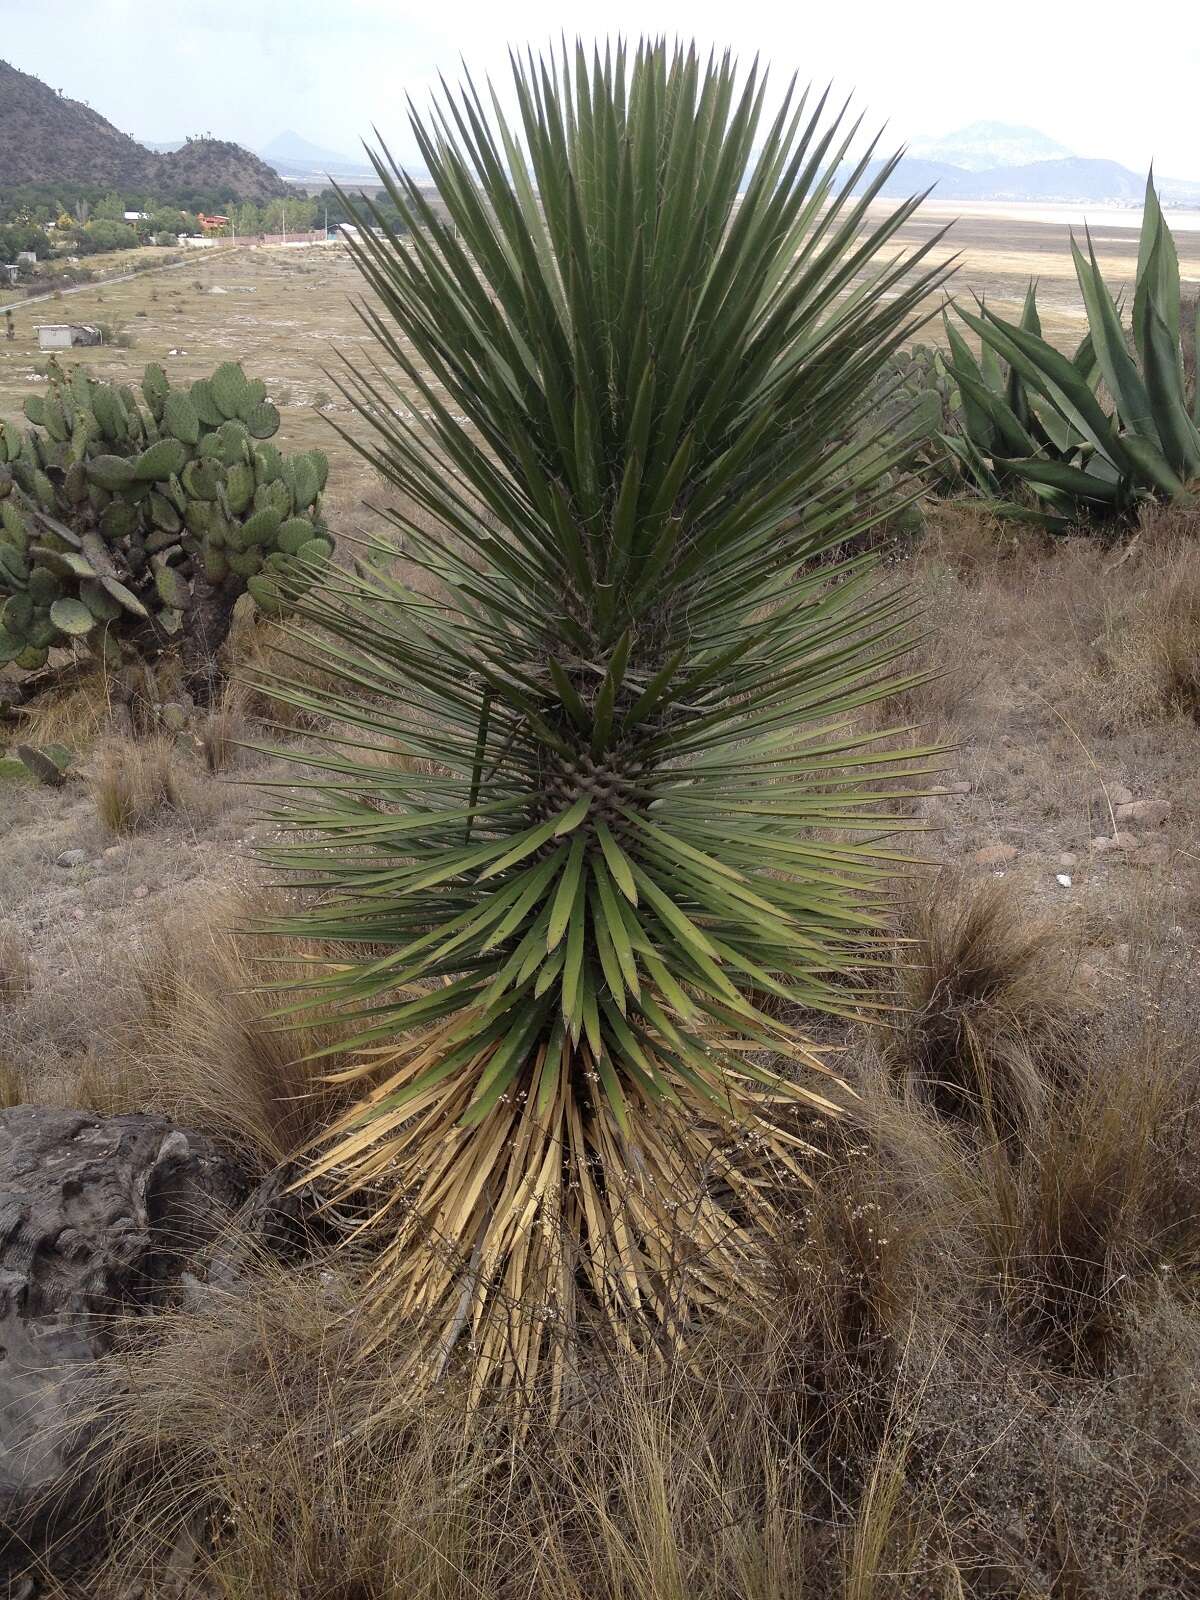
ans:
x=248 y=69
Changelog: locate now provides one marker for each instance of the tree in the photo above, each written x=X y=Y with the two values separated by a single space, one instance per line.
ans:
x=19 y=238
x=110 y=208
x=248 y=219
x=103 y=235
x=625 y=825
x=166 y=219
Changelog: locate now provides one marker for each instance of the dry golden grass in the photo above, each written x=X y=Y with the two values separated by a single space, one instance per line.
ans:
x=220 y=734
x=14 y=966
x=1148 y=652
x=980 y=1358
x=74 y=714
x=991 y=1008
x=137 y=783
x=205 y=1044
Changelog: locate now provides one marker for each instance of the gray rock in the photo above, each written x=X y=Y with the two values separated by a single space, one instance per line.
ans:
x=1114 y=841
x=1151 y=813
x=104 y=1217
x=995 y=855
x=71 y=858
x=98 y=1216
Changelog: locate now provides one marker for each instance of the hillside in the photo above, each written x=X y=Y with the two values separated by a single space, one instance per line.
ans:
x=216 y=164
x=47 y=138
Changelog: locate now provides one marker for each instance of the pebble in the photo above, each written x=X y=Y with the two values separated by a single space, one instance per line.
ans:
x=140 y=892
x=115 y=850
x=1115 y=841
x=1120 y=795
x=1063 y=878
x=1153 y=813
x=995 y=855
x=1068 y=859
x=71 y=858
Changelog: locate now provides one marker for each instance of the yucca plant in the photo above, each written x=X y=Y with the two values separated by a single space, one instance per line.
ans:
x=626 y=825
x=1036 y=418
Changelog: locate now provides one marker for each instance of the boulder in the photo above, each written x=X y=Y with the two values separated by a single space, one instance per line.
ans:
x=98 y=1217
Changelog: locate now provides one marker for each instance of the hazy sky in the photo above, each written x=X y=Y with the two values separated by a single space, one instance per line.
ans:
x=247 y=69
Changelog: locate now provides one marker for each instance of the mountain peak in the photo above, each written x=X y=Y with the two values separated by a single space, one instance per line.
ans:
x=981 y=146
x=291 y=151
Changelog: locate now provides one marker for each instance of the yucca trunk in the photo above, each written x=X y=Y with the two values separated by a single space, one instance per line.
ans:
x=619 y=392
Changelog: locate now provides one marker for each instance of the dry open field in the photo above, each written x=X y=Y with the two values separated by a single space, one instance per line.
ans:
x=289 y=311
x=986 y=1379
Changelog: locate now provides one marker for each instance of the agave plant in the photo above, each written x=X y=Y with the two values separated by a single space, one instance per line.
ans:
x=1035 y=418
x=626 y=830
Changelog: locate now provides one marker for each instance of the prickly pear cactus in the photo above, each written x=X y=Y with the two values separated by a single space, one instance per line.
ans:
x=920 y=401
x=123 y=521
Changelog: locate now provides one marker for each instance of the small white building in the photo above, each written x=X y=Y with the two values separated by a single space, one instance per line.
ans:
x=26 y=258
x=62 y=335
x=137 y=216
x=9 y=272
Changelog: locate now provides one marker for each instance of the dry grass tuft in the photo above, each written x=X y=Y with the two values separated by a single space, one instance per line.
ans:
x=980 y=1359
x=138 y=783
x=15 y=972
x=219 y=737
x=75 y=713
x=1102 y=1201
x=207 y=1047
x=991 y=1008
x=269 y=1427
x=1148 y=653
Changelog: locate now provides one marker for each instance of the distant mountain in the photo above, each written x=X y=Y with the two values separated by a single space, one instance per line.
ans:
x=46 y=138
x=1072 y=179
x=297 y=157
x=984 y=146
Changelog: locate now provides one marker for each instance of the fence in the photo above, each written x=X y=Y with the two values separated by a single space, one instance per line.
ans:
x=317 y=237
